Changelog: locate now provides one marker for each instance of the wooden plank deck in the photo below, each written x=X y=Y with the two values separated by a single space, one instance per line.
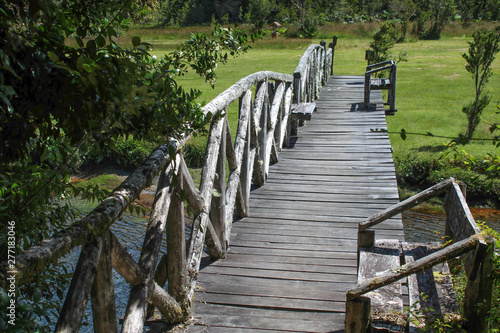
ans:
x=292 y=259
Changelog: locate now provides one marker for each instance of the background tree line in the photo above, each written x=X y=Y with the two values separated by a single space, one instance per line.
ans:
x=429 y=16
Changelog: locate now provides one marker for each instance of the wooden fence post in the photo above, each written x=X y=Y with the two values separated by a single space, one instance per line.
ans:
x=263 y=104
x=357 y=315
x=78 y=295
x=477 y=300
x=297 y=88
x=176 y=245
x=217 y=213
x=103 y=291
x=332 y=46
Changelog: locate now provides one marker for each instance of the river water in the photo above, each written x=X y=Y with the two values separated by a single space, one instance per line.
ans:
x=419 y=226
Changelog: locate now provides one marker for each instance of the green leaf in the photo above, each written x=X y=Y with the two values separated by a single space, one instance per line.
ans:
x=100 y=41
x=92 y=45
x=87 y=67
x=136 y=41
x=37 y=295
x=52 y=56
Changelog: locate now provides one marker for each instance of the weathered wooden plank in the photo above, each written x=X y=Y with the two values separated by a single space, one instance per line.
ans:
x=303 y=111
x=269 y=313
x=272 y=302
x=431 y=291
x=285 y=292
x=269 y=324
x=386 y=302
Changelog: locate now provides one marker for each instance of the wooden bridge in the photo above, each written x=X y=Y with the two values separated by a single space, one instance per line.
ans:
x=274 y=242
x=291 y=260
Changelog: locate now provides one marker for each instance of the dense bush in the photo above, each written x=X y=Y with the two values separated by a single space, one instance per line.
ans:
x=419 y=173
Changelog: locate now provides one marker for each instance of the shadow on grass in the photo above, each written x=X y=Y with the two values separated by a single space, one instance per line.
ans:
x=432 y=148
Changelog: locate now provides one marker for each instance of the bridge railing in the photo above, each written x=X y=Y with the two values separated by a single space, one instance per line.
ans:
x=475 y=249
x=263 y=127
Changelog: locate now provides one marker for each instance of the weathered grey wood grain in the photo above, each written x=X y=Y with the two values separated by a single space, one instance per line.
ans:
x=103 y=291
x=431 y=292
x=70 y=318
x=386 y=302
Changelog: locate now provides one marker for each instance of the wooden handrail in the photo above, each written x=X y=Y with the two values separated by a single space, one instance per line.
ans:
x=406 y=204
x=474 y=248
x=37 y=257
x=378 y=64
x=447 y=253
x=389 y=67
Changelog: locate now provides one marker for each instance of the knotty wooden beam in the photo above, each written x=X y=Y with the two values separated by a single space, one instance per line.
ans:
x=261 y=107
x=130 y=270
x=218 y=207
x=176 y=246
x=273 y=119
x=231 y=94
x=235 y=158
x=201 y=222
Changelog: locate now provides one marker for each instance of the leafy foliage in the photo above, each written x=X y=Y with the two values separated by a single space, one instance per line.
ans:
x=480 y=56
x=384 y=40
x=60 y=101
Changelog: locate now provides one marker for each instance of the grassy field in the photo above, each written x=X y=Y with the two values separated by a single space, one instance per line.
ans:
x=432 y=85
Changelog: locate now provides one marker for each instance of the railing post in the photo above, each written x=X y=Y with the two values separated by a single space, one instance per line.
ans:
x=218 y=213
x=76 y=300
x=392 y=91
x=297 y=91
x=357 y=315
x=103 y=291
x=332 y=46
x=324 y=64
x=366 y=101
x=477 y=300
x=176 y=243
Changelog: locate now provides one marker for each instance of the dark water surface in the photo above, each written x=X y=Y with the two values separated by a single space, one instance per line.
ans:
x=425 y=225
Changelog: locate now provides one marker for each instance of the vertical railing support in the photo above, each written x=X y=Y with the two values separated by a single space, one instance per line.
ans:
x=261 y=110
x=218 y=211
x=76 y=300
x=478 y=292
x=333 y=44
x=176 y=244
x=103 y=291
x=358 y=314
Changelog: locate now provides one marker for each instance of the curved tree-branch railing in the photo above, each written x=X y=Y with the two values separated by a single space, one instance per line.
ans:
x=263 y=128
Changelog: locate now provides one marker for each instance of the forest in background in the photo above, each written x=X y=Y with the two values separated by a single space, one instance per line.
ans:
x=304 y=16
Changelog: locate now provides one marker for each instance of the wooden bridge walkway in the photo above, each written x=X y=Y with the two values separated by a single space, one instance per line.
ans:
x=292 y=259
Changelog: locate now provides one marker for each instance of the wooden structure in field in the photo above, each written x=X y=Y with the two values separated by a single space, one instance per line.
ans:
x=274 y=240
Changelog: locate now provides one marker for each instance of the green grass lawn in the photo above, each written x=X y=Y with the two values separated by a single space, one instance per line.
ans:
x=432 y=85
